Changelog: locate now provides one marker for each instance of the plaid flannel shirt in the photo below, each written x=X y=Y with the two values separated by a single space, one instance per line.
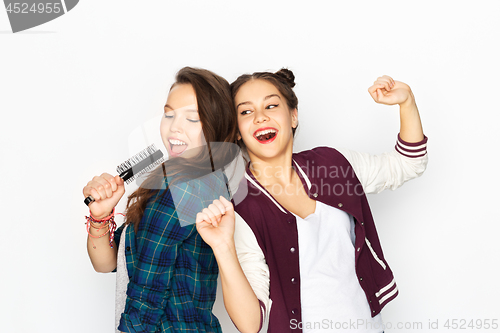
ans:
x=172 y=271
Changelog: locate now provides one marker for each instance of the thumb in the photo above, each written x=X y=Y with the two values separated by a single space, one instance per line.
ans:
x=227 y=205
x=119 y=181
x=120 y=186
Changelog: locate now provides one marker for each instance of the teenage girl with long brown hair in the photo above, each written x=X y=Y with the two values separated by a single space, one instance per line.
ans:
x=166 y=274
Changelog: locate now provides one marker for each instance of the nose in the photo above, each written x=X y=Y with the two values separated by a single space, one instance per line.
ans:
x=176 y=125
x=260 y=117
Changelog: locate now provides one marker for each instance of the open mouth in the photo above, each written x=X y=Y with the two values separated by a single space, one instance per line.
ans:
x=177 y=147
x=266 y=135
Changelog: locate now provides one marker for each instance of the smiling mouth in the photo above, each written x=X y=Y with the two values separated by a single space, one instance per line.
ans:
x=266 y=135
x=177 y=147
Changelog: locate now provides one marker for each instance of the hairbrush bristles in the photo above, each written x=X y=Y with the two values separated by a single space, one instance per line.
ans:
x=146 y=169
x=142 y=162
x=137 y=158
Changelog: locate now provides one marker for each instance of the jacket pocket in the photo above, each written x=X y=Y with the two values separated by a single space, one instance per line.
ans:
x=375 y=254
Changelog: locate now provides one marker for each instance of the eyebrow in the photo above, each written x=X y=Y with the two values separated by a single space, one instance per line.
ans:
x=265 y=98
x=188 y=110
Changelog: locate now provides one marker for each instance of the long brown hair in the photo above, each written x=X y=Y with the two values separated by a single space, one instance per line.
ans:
x=283 y=80
x=219 y=124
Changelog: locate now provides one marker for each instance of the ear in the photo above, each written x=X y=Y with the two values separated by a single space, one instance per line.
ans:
x=238 y=136
x=295 y=118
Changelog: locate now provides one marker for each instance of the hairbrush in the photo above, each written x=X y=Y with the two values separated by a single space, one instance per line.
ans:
x=142 y=162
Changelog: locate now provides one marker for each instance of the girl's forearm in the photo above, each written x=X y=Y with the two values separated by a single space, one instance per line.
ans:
x=103 y=256
x=239 y=298
x=411 y=125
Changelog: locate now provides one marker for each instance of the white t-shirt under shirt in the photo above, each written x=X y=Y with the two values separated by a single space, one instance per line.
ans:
x=331 y=296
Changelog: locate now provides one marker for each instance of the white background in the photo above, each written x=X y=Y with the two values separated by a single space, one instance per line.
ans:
x=72 y=91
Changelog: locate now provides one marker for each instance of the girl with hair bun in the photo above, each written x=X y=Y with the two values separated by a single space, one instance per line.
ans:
x=301 y=248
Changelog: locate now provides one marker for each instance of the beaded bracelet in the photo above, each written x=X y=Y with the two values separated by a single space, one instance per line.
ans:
x=110 y=221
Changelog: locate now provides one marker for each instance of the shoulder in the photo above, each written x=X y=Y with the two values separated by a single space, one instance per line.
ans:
x=317 y=152
x=319 y=155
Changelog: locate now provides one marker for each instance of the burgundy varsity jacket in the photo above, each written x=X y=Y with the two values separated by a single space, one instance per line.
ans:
x=327 y=176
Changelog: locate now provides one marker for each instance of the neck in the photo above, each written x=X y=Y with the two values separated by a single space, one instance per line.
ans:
x=273 y=170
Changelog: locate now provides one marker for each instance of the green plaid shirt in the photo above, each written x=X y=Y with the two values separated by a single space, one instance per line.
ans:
x=172 y=271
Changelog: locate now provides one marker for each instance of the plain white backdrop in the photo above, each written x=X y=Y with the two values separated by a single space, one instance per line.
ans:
x=73 y=90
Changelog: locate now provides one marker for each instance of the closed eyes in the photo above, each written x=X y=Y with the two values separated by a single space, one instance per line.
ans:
x=170 y=116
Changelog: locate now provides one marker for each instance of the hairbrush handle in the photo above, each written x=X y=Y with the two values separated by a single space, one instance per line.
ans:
x=88 y=200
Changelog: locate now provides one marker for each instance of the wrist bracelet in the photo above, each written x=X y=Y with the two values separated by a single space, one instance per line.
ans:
x=110 y=222
x=107 y=218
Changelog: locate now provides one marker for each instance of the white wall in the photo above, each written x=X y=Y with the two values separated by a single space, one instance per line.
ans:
x=72 y=90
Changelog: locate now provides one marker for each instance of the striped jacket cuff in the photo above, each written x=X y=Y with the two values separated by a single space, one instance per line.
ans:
x=411 y=149
x=387 y=294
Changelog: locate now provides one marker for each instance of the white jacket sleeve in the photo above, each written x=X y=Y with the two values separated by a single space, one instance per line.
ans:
x=389 y=170
x=253 y=263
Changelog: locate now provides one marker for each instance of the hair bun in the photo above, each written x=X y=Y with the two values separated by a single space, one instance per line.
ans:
x=287 y=75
